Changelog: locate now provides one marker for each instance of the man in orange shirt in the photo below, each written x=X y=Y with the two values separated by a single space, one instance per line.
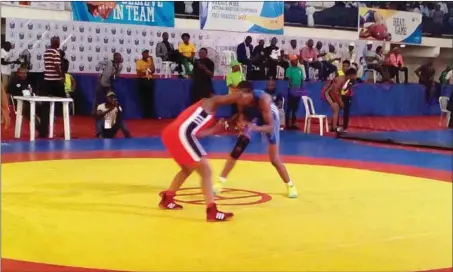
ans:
x=145 y=70
x=395 y=64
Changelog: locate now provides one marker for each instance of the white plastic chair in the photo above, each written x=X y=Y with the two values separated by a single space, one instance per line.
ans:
x=443 y=102
x=227 y=57
x=311 y=114
x=280 y=72
x=166 y=69
x=12 y=103
x=374 y=72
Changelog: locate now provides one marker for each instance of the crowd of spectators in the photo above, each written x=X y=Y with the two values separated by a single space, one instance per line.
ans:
x=437 y=17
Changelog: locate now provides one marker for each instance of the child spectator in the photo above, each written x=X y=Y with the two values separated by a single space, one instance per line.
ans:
x=295 y=78
x=233 y=78
x=69 y=81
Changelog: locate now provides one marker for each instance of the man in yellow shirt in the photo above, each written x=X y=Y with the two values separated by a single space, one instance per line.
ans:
x=145 y=70
x=187 y=51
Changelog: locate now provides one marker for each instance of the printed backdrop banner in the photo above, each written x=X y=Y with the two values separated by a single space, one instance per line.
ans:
x=151 y=13
x=390 y=25
x=253 y=17
x=86 y=44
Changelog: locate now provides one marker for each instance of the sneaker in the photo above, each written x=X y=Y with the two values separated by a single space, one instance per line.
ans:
x=168 y=203
x=292 y=192
x=214 y=215
x=217 y=187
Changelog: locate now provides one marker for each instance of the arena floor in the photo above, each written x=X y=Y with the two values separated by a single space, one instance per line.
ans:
x=87 y=204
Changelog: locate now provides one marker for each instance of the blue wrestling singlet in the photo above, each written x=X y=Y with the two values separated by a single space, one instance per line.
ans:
x=253 y=113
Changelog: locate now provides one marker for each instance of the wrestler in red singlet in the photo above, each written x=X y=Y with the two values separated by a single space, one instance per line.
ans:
x=181 y=140
x=180 y=137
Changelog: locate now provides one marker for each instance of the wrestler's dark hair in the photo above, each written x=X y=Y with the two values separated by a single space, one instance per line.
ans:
x=351 y=71
x=247 y=85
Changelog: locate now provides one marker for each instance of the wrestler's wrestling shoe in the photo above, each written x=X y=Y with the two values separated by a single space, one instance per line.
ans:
x=167 y=202
x=292 y=192
x=218 y=186
x=214 y=215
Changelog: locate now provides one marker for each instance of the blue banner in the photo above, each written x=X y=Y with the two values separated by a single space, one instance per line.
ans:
x=252 y=17
x=151 y=13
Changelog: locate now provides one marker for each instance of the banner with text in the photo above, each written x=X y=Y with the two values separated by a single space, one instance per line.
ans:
x=151 y=13
x=390 y=25
x=252 y=17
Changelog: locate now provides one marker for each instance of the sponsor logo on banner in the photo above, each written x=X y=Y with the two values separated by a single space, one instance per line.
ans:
x=151 y=13
x=252 y=17
x=390 y=25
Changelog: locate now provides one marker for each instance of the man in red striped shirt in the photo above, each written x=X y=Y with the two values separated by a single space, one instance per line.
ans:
x=53 y=84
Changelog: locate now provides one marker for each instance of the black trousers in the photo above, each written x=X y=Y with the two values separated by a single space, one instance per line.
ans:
x=100 y=92
x=49 y=88
x=347 y=100
x=146 y=94
x=291 y=110
x=394 y=72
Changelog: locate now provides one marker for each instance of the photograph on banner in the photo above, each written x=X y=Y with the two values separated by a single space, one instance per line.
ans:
x=390 y=25
x=322 y=14
x=55 y=5
x=151 y=13
x=252 y=17
x=187 y=9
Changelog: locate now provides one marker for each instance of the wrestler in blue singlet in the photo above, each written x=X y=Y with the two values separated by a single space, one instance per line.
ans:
x=254 y=114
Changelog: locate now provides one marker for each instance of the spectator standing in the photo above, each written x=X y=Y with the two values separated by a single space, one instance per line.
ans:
x=244 y=52
x=259 y=61
x=145 y=71
x=438 y=20
x=277 y=98
x=272 y=53
x=202 y=77
x=395 y=64
x=53 y=84
x=164 y=49
x=187 y=51
x=69 y=81
x=233 y=78
x=309 y=58
x=112 y=70
x=425 y=74
x=6 y=63
x=295 y=78
x=446 y=75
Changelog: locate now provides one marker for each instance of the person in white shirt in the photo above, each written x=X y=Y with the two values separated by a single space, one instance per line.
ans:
x=350 y=53
x=109 y=119
x=292 y=48
x=6 y=63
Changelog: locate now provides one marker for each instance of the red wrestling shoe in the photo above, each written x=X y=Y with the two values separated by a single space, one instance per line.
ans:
x=214 y=215
x=167 y=202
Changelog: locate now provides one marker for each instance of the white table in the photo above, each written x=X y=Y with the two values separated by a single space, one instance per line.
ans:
x=32 y=100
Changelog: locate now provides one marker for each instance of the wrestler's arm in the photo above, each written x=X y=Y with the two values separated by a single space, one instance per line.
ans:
x=265 y=107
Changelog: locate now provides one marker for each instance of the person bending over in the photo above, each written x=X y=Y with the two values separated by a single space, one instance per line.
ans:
x=331 y=93
x=256 y=104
